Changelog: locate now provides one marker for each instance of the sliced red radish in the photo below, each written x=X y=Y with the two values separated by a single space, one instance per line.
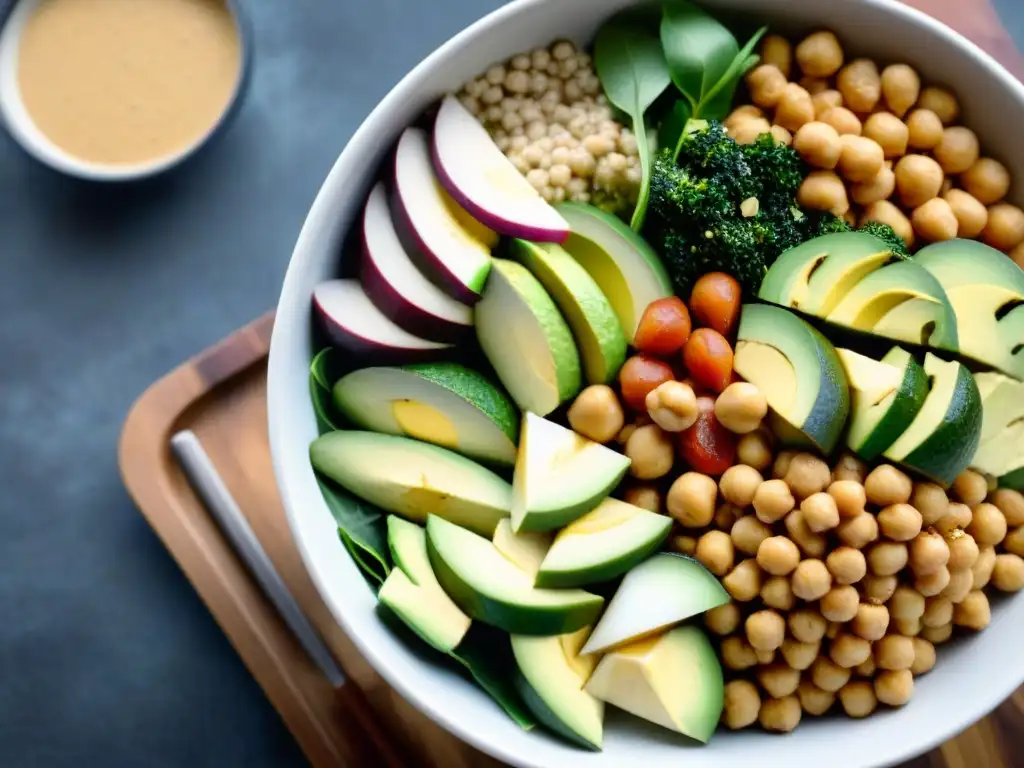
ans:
x=484 y=182
x=445 y=250
x=354 y=323
x=397 y=287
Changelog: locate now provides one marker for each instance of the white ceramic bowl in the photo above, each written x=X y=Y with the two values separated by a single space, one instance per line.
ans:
x=972 y=676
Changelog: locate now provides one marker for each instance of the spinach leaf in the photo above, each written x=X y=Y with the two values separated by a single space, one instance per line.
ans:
x=632 y=69
x=698 y=48
x=672 y=125
x=486 y=654
x=323 y=372
x=719 y=100
x=362 y=528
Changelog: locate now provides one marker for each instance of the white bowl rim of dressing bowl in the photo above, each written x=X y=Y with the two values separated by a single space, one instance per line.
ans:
x=15 y=117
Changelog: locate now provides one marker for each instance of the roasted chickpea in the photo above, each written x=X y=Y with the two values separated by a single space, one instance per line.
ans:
x=963 y=549
x=823 y=191
x=928 y=553
x=987 y=180
x=960 y=585
x=819 y=54
x=849 y=467
x=778 y=680
x=940 y=101
x=644 y=496
x=901 y=87
x=672 y=405
x=723 y=619
x=777 y=593
x=846 y=564
x=737 y=653
x=988 y=526
x=818 y=144
x=1008 y=573
x=811 y=580
x=778 y=556
x=859 y=531
x=781 y=135
x=981 y=571
x=894 y=687
x=1014 y=542
x=918 y=179
x=931 y=501
x=840 y=603
x=858 y=698
x=799 y=655
x=860 y=84
x=650 y=452
x=741 y=407
x=957 y=150
x=957 y=516
x=1005 y=227
x=755 y=450
x=935 y=221
x=738 y=484
x=924 y=656
x=691 y=500
x=715 y=552
x=1011 y=504
x=888 y=131
x=973 y=612
x=971 y=215
x=932 y=583
x=743 y=582
x=794 y=108
x=878 y=589
x=776 y=50
x=813 y=699
x=924 y=129
x=807 y=475
x=894 y=652
x=887 y=558
x=828 y=675
x=766 y=84
x=780 y=715
x=870 y=622
x=885 y=212
x=806 y=625
x=825 y=100
x=843 y=120
x=741 y=705
x=811 y=544
x=684 y=545
x=765 y=630
x=596 y=413
x=861 y=158
x=937 y=635
x=747 y=534
x=880 y=187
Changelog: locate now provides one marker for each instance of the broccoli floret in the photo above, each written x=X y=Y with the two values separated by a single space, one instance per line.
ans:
x=888 y=235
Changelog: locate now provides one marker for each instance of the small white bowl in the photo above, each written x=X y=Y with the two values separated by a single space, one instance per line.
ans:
x=19 y=124
x=972 y=676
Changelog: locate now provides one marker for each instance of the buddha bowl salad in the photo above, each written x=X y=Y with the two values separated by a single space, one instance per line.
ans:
x=682 y=375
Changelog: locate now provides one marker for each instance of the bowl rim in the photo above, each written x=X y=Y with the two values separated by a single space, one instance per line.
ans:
x=295 y=309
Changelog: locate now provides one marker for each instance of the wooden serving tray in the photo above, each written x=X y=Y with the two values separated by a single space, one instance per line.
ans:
x=221 y=396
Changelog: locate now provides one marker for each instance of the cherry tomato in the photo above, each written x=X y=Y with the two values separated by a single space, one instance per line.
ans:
x=639 y=375
x=708 y=358
x=664 y=327
x=715 y=302
x=707 y=446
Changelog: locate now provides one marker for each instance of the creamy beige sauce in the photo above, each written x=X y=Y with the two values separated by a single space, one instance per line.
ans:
x=128 y=81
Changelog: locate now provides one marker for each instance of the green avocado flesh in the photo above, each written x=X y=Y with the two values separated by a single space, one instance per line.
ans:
x=490 y=589
x=624 y=266
x=884 y=399
x=1001 y=448
x=1014 y=480
x=986 y=290
x=442 y=403
x=413 y=479
x=594 y=324
x=944 y=436
x=797 y=369
x=526 y=339
x=413 y=592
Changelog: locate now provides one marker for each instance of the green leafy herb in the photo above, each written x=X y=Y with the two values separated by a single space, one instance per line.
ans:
x=486 y=654
x=362 y=528
x=323 y=372
x=632 y=69
x=673 y=123
x=699 y=51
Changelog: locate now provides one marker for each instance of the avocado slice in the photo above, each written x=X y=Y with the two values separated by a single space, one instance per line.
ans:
x=884 y=399
x=490 y=589
x=662 y=591
x=986 y=290
x=797 y=369
x=1014 y=480
x=413 y=592
x=1001 y=447
x=624 y=266
x=603 y=544
x=442 y=403
x=413 y=479
x=526 y=339
x=524 y=550
x=900 y=301
x=814 y=276
x=594 y=324
x=943 y=438
x=559 y=475
x=673 y=680
x=551 y=679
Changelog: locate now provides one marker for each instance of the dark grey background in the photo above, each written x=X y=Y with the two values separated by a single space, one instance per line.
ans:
x=107 y=656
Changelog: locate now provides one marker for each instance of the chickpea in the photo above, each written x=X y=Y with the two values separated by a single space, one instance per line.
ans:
x=938 y=611
x=957 y=150
x=747 y=534
x=811 y=580
x=738 y=484
x=742 y=113
x=870 y=622
x=825 y=100
x=691 y=499
x=843 y=120
x=960 y=585
x=715 y=552
x=807 y=475
x=840 y=603
x=928 y=553
x=931 y=501
x=860 y=84
x=971 y=215
x=644 y=496
x=741 y=407
x=748 y=131
x=650 y=452
x=625 y=433
x=833 y=630
x=810 y=543
x=781 y=465
x=1011 y=504
x=846 y=564
x=908 y=627
x=861 y=158
x=723 y=619
x=737 y=653
x=901 y=87
x=766 y=84
x=806 y=625
x=940 y=101
x=918 y=179
x=963 y=549
x=880 y=187
x=781 y=135
x=1008 y=573
x=820 y=512
x=858 y=698
x=780 y=715
x=849 y=496
x=1005 y=227
x=894 y=652
x=684 y=545
x=907 y=603
x=765 y=630
x=1014 y=542
x=741 y=705
x=596 y=413
x=988 y=526
x=878 y=589
x=823 y=191
x=778 y=556
x=889 y=132
x=778 y=594
x=828 y=675
x=973 y=612
x=726 y=516
x=958 y=516
x=932 y=583
x=778 y=680
x=859 y=531
x=818 y=144
x=981 y=571
x=935 y=220
x=924 y=656
x=866 y=669
x=849 y=467
x=672 y=405
x=794 y=108
x=819 y=54
x=799 y=655
x=899 y=522
x=937 y=635
x=885 y=212
x=777 y=51
x=924 y=129
x=987 y=180
x=887 y=558
x=743 y=582
x=755 y=450
x=894 y=687
x=813 y=699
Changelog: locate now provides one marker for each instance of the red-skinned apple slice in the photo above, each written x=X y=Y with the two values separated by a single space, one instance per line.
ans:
x=426 y=219
x=484 y=182
x=354 y=323
x=397 y=287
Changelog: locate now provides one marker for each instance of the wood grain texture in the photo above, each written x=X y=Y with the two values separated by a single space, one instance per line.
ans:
x=221 y=396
